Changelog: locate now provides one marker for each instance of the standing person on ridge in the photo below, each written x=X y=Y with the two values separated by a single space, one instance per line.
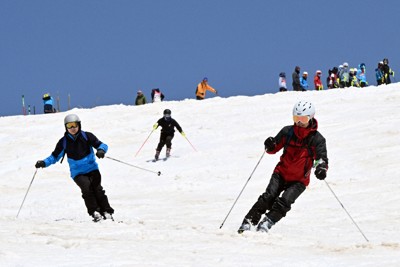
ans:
x=361 y=75
x=48 y=104
x=302 y=144
x=317 y=81
x=156 y=95
x=303 y=81
x=140 y=98
x=202 y=88
x=379 y=73
x=296 y=79
x=167 y=124
x=78 y=146
x=344 y=76
x=387 y=71
x=282 y=82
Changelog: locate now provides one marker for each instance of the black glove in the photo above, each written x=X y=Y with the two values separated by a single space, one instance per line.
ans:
x=100 y=153
x=270 y=144
x=320 y=171
x=40 y=164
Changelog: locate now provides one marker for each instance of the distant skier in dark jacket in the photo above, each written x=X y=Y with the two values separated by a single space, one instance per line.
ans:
x=302 y=144
x=78 y=146
x=387 y=71
x=296 y=79
x=167 y=124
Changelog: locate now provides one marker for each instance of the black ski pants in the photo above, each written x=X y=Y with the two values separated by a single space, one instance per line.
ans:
x=165 y=139
x=272 y=201
x=92 y=192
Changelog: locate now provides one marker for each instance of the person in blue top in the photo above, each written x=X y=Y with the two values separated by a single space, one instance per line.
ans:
x=48 y=102
x=361 y=75
x=78 y=146
x=303 y=81
x=379 y=73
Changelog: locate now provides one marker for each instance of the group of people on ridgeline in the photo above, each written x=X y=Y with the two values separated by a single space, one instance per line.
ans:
x=338 y=77
x=157 y=96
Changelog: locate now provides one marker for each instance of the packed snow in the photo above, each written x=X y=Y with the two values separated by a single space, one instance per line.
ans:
x=174 y=219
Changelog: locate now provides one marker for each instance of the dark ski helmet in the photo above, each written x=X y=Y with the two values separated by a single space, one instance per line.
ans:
x=282 y=74
x=167 y=112
x=385 y=61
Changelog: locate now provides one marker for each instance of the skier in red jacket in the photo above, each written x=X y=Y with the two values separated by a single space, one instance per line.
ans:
x=302 y=144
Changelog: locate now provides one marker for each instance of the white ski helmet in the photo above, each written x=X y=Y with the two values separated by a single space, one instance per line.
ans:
x=71 y=118
x=304 y=108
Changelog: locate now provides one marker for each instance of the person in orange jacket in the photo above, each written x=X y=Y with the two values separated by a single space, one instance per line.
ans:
x=317 y=81
x=201 y=89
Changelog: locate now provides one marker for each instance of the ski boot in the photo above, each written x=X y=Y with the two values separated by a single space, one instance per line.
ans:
x=265 y=225
x=168 y=153
x=246 y=226
x=97 y=216
x=107 y=216
x=157 y=155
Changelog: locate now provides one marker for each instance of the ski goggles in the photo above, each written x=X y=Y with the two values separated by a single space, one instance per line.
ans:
x=302 y=119
x=70 y=125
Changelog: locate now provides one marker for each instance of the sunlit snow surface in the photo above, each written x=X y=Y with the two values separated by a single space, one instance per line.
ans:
x=174 y=219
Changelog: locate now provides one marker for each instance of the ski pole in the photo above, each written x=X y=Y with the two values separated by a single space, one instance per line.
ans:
x=234 y=203
x=346 y=211
x=190 y=142
x=26 y=193
x=144 y=142
x=158 y=173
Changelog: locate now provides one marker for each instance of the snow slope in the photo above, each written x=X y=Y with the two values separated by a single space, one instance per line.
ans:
x=174 y=219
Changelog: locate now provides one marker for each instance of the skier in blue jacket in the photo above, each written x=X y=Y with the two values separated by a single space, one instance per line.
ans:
x=48 y=104
x=361 y=75
x=303 y=81
x=78 y=146
x=379 y=73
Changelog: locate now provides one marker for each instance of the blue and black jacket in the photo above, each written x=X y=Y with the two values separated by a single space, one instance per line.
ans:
x=79 y=151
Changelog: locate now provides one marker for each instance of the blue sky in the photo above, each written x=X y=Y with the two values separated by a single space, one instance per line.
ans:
x=101 y=52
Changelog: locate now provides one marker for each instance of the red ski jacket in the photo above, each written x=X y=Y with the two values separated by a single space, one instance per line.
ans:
x=301 y=147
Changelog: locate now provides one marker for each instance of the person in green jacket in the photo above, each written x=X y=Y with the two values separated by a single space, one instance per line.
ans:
x=140 y=98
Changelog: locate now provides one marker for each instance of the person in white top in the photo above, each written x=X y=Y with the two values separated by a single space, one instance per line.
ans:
x=156 y=95
x=282 y=82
